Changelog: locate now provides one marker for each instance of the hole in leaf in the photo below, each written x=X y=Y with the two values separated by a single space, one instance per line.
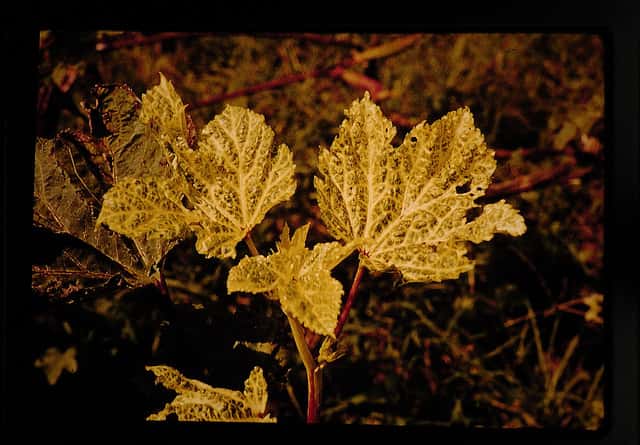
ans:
x=185 y=202
x=464 y=188
x=414 y=139
x=473 y=213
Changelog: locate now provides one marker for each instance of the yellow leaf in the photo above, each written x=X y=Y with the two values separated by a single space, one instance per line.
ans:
x=197 y=401
x=298 y=277
x=408 y=205
x=220 y=190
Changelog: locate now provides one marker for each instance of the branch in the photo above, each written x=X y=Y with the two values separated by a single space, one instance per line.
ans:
x=51 y=272
x=140 y=40
x=527 y=182
x=338 y=70
x=251 y=245
x=566 y=306
x=326 y=39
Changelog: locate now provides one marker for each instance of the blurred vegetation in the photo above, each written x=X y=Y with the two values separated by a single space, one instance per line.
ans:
x=518 y=342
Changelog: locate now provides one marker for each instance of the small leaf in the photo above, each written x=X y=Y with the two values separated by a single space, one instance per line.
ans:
x=594 y=302
x=262 y=347
x=53 y=362
x=406 y=206
x=330 y=351
x=298 y=277
x=197 y=401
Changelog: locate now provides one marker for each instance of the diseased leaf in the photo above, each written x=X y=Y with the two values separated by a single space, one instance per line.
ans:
x=146 y=207
x=134 y=151
x=53 y=362
x=197 y=401
x=298 y=277
x=408 y=204
x=227 y=184
x=66 y=204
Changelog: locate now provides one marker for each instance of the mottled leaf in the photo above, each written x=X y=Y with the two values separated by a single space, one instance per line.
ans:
x=408 y=205
x=228 y=183
x=197 y=401
x=298 y=277
x=134 y=151
x=146 y=207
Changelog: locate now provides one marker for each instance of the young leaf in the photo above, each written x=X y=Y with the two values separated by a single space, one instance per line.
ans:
x=409 y=204
x=197 y=401
x=298 y=277
x=226 y=185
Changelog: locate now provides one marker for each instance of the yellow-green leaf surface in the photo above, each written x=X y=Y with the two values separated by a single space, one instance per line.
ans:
x=197 y=401
x=134 y=151
x=220 y=189
x=298 y=277
x=409 y=204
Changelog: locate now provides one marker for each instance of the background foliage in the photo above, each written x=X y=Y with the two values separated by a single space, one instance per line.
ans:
x=517 y=342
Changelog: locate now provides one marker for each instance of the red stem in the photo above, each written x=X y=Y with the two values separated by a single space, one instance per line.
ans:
x=275 y=83
x=139 y=40
x=344 y=314
x=337 y=70
x=312 y=402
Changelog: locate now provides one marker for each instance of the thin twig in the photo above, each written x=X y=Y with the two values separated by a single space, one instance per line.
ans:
x=564 y=307
x=326 y=39
x=141 y=40
x=536 y=337
x=294 y=400
x=250 y=244
x=527 y=182
x=47 y=271
x=340 y=69
x=553 y=383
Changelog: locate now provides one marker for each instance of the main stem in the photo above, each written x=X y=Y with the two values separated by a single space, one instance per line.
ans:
x=314 y=373
x=310 y=365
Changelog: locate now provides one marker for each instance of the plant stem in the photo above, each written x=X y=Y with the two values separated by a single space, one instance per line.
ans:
x=344 y=314
x=251 y=245
x=314 y=373
x=313 y=383
x=161 y=283
x=139 y=40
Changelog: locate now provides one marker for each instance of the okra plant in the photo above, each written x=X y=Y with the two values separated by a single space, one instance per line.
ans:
x=409 y=209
